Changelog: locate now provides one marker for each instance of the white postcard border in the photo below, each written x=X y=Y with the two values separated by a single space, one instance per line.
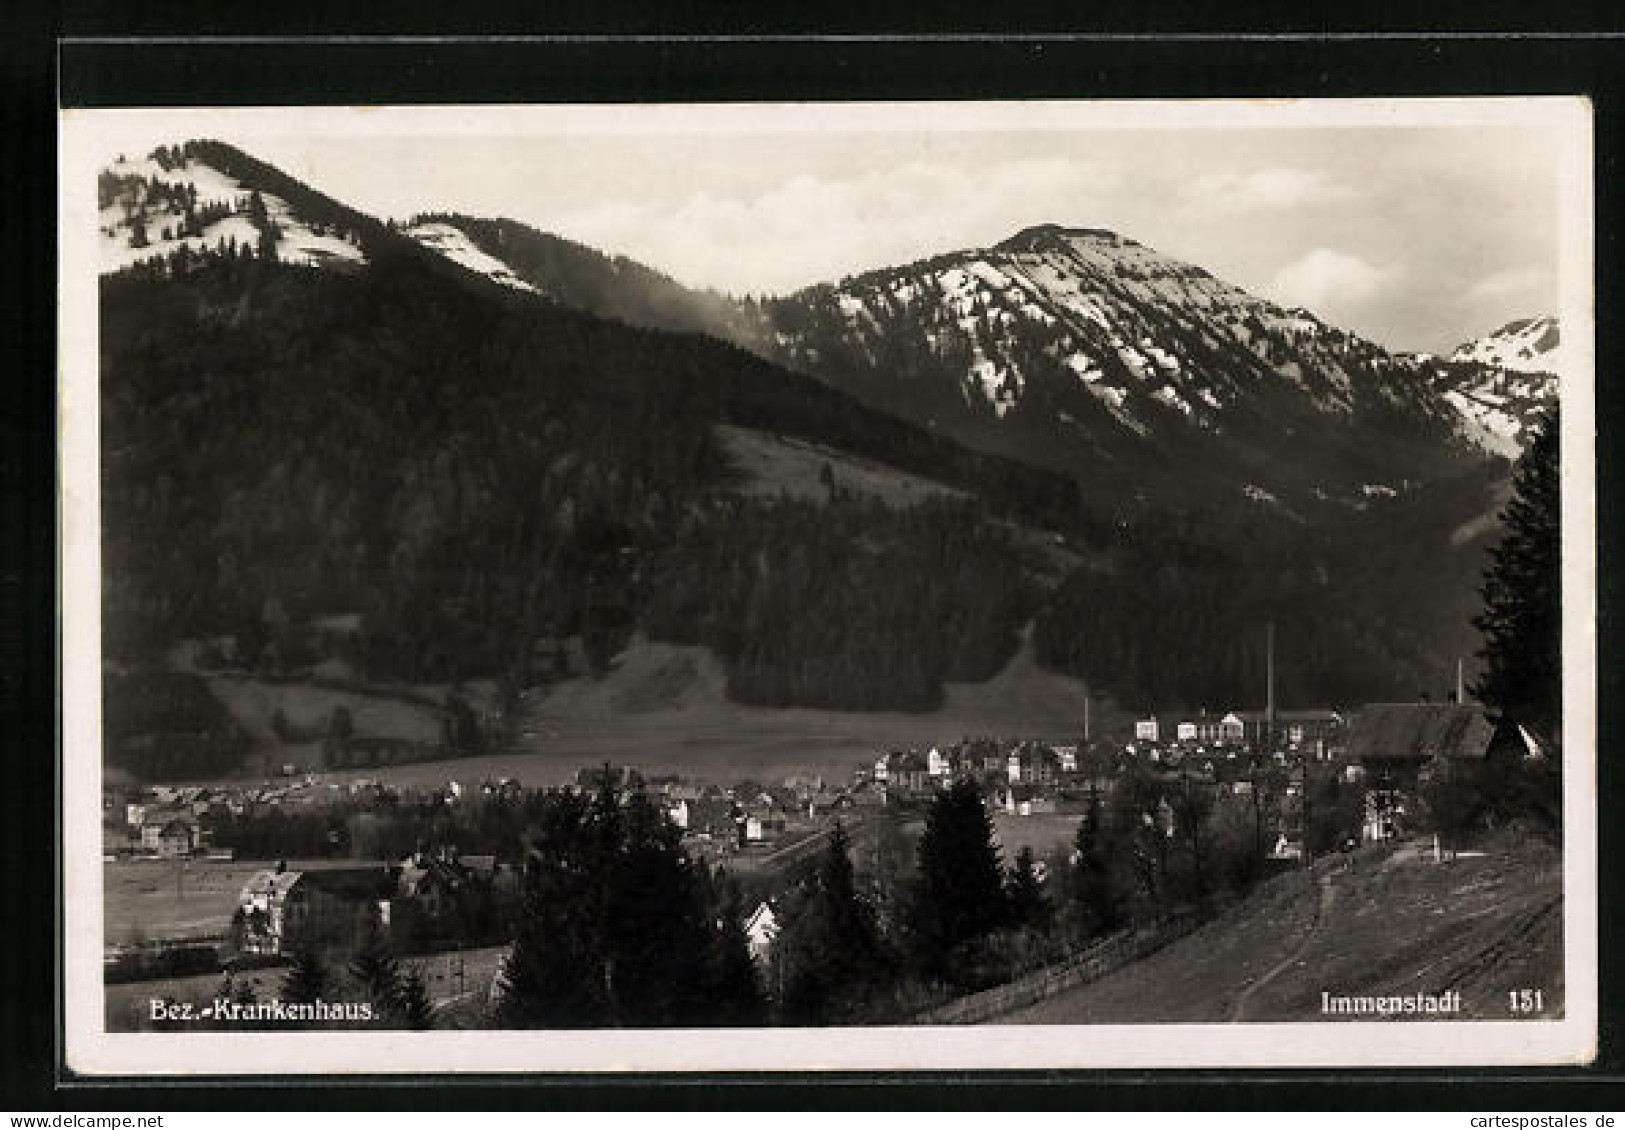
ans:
x=92 y=1051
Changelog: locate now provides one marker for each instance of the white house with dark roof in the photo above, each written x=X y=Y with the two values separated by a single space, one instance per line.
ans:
x=761 y=928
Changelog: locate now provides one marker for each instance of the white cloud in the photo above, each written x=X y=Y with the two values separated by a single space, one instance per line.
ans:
x=820 y=228
x=1332 y=282
x=1515 y=283
x=1270 y=189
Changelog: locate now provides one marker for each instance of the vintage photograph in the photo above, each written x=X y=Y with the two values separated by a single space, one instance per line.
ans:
x=553 y=575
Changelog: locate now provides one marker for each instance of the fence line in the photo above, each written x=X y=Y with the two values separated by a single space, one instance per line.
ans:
x=1093 y=963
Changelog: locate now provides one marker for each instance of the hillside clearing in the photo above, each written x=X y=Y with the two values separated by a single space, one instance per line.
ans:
x=1383 y=922
x=773 y=464
x=663 y=708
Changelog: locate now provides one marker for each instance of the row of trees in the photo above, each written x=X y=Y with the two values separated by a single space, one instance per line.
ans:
x=160 y=724
x=393 y=997
x=963 y=919
x=621 y=929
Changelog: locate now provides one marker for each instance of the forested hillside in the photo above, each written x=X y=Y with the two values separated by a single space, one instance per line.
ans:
x=610 y=286
x=473 y=475
x=1369 y=604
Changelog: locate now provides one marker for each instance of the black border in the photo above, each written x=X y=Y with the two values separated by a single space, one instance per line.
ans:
x=681 y=68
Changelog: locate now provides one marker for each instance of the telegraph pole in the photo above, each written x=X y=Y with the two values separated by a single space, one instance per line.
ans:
x=1303 y=808
x=1269 y=692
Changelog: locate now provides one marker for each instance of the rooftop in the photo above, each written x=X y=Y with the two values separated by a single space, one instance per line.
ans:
x=1421 y=730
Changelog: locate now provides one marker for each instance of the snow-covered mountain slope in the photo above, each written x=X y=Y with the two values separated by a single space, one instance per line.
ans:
x=1071 y=344
x=175 y=198
x=1501 y=383
x=1077 y=348
x=451 y=242
x=1132 y=327
x=1529 y=345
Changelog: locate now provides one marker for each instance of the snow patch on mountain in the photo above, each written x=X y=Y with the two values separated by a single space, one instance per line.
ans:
x=144 y=206
x=1066 y=309
x=1489 y=426
x=451 y=242
x=1501 y=383
x=1528 y=345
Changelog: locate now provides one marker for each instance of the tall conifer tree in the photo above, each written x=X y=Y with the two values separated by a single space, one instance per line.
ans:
x=1523 y=617
x=829 y=953
x=960 y=895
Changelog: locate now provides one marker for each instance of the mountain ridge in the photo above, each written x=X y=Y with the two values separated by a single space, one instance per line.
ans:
x=1135 y=383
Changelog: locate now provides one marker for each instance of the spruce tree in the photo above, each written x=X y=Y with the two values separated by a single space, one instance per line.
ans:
x=1095 y=901
x=306 y=979
x=828 y=954
x=959 y=897
x=553 y=976
x=377 y=977
x=615 y=929
x=656 y=943
x=415 y=1012
x=734 y=982
x=1029 y=906
x=1522 y=618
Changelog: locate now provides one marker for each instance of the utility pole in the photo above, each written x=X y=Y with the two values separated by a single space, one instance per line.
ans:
x=1461 y=694
x=1303 y=809
x=1269 y=693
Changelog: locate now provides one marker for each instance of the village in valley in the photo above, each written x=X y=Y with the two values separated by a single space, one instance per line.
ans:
x=248 y=875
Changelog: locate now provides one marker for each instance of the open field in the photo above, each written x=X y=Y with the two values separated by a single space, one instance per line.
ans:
x=662 y=708
x=1043 y=833
x=140 y=901
x=773 y=464
x=308 y=707
x=1379 y=922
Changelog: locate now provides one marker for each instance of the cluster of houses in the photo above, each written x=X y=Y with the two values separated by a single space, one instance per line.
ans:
x=162 y=822
x=1389 y=748
x=734 y=823
x=1394 y=748
x=281 y=910
x=173 y=821
x=1308 y=730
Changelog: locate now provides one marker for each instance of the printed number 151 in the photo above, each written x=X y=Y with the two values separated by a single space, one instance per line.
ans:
x=1524 y=1001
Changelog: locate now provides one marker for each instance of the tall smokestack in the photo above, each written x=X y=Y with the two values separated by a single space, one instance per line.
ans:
x=1269 y=698
x=1461 y=694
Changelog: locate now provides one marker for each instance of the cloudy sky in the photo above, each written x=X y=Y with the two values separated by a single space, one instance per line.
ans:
x=1419 y=230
